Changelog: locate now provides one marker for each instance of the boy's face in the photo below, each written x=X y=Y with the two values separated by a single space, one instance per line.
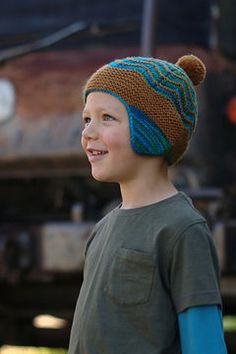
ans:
x=106 y=139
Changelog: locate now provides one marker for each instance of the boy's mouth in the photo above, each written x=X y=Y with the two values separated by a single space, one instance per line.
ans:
x=95 y=154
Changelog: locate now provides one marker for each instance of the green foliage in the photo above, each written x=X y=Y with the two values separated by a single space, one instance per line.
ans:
x=29 y=350
x=230 y=323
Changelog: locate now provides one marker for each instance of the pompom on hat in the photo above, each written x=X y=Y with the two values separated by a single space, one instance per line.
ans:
x=160 y=99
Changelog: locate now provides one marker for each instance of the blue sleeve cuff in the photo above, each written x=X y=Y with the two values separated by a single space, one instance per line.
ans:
x=201 y=330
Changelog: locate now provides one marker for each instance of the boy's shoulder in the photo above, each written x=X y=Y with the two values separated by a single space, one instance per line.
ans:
x=184 y=210
x=177 y=210
x=174 y=217
x=104 y=218
x=181 y=220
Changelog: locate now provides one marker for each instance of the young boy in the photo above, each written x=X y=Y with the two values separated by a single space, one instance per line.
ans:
x=151 y=277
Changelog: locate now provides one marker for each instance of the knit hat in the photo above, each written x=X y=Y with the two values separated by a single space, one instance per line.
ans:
x=160 y=100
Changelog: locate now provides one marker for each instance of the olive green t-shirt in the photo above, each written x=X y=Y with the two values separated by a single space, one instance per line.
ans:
x=143 y=266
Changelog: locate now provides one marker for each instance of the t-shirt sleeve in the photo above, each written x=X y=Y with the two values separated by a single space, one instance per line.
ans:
x=194 y=270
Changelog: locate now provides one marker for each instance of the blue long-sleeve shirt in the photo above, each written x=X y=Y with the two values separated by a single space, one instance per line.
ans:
x=201 y=330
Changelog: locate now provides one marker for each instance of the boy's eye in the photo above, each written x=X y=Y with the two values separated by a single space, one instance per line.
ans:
x=86 y=120
x=108 y=117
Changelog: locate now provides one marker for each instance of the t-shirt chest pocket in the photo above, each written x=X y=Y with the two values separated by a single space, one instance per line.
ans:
x=130 y=277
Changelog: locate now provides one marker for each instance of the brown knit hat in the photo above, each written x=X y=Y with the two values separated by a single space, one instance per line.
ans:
x=160 y=99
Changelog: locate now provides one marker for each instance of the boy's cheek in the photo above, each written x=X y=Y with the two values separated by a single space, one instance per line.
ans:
x=83 y=143
x=116 y=140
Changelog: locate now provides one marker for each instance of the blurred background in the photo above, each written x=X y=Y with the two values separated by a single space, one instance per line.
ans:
x=49 y=202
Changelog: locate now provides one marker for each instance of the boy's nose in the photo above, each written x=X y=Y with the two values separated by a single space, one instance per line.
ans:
x=90 y=131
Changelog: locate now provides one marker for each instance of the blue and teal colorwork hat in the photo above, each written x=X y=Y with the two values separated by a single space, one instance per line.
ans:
x=160 y=99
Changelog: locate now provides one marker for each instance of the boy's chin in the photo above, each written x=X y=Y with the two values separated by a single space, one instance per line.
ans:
x=103 y=178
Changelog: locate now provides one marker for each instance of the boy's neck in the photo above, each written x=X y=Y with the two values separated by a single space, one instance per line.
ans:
x=141 y=192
